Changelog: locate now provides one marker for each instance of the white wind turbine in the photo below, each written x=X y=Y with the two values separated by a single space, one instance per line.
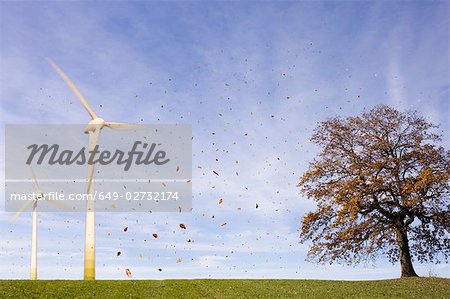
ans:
x=93 y=128
x=38 y=196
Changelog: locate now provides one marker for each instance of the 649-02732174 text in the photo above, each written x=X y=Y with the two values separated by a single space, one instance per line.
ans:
x=99 y=195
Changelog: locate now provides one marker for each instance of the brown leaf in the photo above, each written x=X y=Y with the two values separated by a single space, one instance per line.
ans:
x=182 y=226
x=128 y=272
x=155 y=235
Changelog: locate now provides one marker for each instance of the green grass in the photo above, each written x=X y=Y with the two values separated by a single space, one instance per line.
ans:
x=219 y=288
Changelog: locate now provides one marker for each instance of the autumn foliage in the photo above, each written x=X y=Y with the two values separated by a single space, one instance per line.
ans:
x=382 y=185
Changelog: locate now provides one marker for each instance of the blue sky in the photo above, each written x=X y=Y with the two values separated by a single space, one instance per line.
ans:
x=253 y=79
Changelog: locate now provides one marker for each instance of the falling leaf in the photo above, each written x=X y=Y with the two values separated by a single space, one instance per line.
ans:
x=128 y=272
x=182 y=226
x=178 y=168
x=125 y=229
x=257 y=206
x=155 y=235
x=215 y=172
x=223 y=224
x=179 y=260
x=119 y=253
x=220 y=201
x=159 y=269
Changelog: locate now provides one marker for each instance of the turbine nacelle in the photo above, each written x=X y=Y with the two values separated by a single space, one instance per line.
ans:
x=95 y=124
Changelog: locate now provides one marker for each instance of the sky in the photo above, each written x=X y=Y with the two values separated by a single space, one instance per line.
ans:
x=253 y=79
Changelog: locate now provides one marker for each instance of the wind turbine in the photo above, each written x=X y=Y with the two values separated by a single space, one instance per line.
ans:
x=93 y=128
x=38 y=196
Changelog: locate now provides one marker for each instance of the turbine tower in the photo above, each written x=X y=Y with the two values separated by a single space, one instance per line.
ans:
x=93 y=128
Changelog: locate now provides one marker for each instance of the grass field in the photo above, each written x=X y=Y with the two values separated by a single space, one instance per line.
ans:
x=217 y=288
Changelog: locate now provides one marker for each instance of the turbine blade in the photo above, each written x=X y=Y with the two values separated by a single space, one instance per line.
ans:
x=73 y=88
x=122 y=126
x=93 y=140
x=22 y=208
x=58 y=204
x=36 y=184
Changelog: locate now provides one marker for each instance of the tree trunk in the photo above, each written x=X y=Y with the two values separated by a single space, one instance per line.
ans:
x=405 y=254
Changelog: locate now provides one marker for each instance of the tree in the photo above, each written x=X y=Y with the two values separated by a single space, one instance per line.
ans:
x=381 y=185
